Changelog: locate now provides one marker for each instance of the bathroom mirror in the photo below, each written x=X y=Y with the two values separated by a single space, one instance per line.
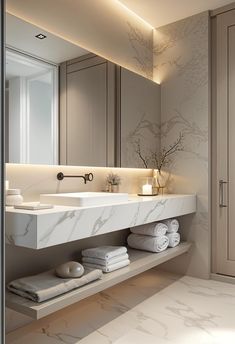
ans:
x=66 y=105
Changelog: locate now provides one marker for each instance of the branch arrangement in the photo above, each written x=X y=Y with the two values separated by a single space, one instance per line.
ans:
x=160 y=159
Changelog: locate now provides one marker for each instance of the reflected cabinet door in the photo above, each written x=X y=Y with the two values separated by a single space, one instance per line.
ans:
x=87 y=112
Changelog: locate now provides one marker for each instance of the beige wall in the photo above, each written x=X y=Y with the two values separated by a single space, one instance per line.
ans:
x=103 y=27
x=181 y=64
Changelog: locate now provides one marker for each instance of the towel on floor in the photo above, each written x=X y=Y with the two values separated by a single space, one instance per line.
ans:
x=47 y=285
x=172 y=225
x=148 y=243
x=152 y=229
x=109 y=268
x=104 y=252
x=174 y=239
x=105 y=262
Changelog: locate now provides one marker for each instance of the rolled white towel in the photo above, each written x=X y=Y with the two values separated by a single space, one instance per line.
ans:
x=148 y=243
x=109 y=268
x=153 y=229
x=172 y=224
x=174 y=239
x=105 y=262
x=104 y=252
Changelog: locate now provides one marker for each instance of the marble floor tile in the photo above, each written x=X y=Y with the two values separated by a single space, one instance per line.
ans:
x=154 y=307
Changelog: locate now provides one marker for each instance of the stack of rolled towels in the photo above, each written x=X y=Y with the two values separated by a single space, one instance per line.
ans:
x=156 y=236
x=106 y=258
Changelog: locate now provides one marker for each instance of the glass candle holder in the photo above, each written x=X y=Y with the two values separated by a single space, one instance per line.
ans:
x=146 y=187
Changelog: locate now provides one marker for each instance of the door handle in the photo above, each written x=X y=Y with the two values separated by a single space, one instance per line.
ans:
x=221 y=194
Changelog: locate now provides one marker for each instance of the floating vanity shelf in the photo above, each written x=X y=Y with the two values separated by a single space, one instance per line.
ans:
x=140 y=262
x=62 y=224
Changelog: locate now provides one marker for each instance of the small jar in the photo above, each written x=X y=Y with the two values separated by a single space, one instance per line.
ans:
x=13 y=197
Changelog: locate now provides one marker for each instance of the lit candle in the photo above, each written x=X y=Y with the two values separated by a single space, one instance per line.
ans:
x=147 y=189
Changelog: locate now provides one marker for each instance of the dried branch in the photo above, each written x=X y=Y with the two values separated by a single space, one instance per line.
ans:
x=160 y=159
x=176 y=147
x=138 y=151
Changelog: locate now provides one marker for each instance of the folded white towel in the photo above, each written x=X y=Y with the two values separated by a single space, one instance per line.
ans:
x=104 y=252
x=172 y=224
x=152 y=229
x=108 y=268
x=47 y=285
x=174 y=239
x=105 y=262
x=148 y=243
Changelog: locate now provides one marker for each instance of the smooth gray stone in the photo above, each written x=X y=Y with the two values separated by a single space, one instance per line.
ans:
x=70 y=270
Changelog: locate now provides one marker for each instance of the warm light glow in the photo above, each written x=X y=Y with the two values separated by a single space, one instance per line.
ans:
x=134 y=14
x=83 y=46
x=81 y=167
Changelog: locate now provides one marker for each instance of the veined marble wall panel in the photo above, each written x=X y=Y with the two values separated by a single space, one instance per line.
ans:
x=181 y=64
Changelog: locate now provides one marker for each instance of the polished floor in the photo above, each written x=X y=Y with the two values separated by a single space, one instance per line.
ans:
x=152 y=308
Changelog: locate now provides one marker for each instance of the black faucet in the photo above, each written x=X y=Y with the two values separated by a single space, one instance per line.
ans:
x=88 y=177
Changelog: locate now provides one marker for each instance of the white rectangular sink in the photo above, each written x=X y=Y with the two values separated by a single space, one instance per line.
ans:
x=84 y=199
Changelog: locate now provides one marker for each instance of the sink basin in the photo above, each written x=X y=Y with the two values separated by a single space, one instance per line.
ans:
x=84 y=199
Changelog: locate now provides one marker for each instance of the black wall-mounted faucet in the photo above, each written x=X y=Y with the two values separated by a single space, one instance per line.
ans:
x=88 y=177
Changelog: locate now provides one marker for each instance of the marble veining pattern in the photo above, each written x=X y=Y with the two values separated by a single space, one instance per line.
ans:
x=154 y=307
x=62 y=224
x=142 y=48
x=181 y=63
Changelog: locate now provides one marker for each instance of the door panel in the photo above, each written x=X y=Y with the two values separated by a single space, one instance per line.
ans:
x=231 y=143
x=225 y=108
x=86 y=116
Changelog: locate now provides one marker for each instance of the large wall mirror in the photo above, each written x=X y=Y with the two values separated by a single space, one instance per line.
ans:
x=66 y=105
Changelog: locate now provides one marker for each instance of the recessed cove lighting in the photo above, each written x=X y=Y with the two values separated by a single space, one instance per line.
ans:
x=41 y=36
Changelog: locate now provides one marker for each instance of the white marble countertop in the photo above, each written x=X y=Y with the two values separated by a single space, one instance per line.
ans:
x=44 y=228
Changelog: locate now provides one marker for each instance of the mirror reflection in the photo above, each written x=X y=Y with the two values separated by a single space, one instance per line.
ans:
x=66 y=105
x=31 y=110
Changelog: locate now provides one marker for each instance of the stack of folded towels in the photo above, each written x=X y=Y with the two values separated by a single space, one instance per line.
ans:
x=105 y=258
x=155 y=237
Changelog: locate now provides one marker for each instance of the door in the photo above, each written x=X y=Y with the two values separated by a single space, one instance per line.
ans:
x=225 y=109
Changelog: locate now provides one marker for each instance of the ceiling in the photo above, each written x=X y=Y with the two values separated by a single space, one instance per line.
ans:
x=162 y=12
x=21 y=36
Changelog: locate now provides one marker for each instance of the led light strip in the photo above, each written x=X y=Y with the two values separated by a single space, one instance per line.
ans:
x=134 y=14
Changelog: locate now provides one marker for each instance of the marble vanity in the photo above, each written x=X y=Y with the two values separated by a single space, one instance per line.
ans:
x=62 y=224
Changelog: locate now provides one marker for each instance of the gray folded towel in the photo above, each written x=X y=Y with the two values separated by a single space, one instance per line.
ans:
x=154 y=229
x=104 y=252
x=174 y=239
x=109 y=268
x=47 y=285
x=148 y=243
x=105 y=262
x=172 y=224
